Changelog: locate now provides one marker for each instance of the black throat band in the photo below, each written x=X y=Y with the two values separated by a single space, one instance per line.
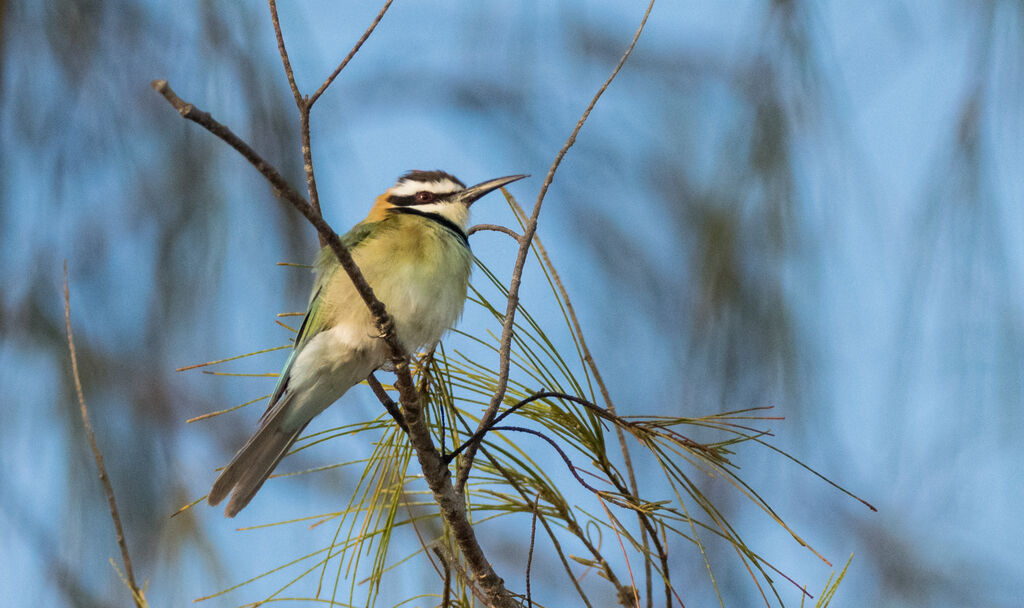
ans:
x=440 y=219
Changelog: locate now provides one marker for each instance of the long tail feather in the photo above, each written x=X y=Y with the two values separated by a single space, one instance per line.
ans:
x=253 y=464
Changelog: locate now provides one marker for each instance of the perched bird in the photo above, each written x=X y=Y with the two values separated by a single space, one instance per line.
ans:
x=413 y=250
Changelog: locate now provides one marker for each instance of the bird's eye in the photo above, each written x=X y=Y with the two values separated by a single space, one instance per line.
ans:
x=424 y=196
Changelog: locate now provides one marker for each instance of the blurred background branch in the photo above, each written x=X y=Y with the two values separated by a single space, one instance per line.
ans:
x=138 y=595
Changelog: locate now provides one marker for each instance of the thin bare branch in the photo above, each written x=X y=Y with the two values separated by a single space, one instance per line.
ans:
x=303 y=105
x=351 y=54
x=557 y=448
x=386 y=400
x=307 y=164
x=284 y=56
x=496 y=228
x=446 y=597
x=529 y=555
x=138 y=594
x=588 y=358
x=505 y=345
x=203 y=119
x=285 y=191
x=544 y=522
x=480 y=432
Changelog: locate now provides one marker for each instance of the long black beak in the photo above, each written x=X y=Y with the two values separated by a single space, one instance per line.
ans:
x=471 y=194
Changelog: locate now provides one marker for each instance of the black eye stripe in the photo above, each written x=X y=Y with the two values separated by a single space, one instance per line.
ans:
x=406 y=201
x=402 y=201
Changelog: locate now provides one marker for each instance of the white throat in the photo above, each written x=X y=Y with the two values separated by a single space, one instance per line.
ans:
x=456 y=213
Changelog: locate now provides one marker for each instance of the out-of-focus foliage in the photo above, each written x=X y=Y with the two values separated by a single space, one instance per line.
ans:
x=144 y=211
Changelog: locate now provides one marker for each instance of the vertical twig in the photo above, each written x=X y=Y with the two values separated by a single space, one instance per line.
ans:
x=529 y=555
x=588 y=358
x=446 y=597
x=505 y=345
x=137 y=594
x=612 y=521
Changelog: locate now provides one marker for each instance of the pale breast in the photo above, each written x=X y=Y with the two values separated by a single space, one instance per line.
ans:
x=420 y=271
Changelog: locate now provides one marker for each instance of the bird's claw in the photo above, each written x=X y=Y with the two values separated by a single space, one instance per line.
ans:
x=385 y=329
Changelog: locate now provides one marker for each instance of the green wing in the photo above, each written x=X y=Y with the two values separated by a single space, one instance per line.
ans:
x=313 y=323
x=326 y=265
x=357 y=235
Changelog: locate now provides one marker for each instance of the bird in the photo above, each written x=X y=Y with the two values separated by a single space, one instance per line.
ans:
x=413 y=250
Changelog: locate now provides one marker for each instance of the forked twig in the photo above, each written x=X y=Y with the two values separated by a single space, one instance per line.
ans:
x=305 y=103
x=138 y=595
x=285 y=191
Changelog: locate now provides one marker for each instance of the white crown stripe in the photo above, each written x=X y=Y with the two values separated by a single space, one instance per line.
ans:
x=407 y=187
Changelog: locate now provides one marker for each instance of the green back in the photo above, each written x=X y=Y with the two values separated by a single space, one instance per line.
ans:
x=313 y=323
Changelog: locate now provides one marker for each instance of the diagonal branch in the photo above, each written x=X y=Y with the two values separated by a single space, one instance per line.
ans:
x=505 y=346
x=386 y=401
x=299 y=101
x=351 y=54
x=588 y=358
x=285 y=191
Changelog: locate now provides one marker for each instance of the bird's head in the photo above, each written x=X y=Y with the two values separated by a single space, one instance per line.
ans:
x=436 y=193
